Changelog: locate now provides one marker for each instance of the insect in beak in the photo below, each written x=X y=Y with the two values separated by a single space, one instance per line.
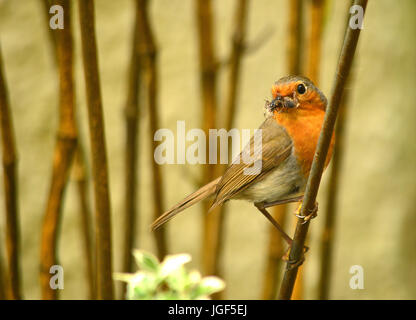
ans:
x=283 y=103
x=276 y=103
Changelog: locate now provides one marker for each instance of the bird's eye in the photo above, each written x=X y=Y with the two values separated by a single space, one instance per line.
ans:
x=301 y=89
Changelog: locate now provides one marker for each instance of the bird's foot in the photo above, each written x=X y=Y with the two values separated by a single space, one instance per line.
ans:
x=312 y=213
x=294 y=263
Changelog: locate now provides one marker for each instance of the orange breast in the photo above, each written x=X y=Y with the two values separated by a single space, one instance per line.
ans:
x=304 y=127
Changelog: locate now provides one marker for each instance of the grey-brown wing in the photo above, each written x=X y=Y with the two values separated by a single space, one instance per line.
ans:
x=276 y=146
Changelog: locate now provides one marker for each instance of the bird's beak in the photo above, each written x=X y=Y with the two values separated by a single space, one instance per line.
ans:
x=289 y=103
x=280 y=101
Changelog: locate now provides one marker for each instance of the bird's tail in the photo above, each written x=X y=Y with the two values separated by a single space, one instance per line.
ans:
x=201 y=194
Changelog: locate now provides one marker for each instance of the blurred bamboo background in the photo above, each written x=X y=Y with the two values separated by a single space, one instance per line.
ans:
x=158 y=76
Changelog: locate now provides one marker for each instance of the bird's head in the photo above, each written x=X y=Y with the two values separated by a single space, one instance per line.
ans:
x=295 y=93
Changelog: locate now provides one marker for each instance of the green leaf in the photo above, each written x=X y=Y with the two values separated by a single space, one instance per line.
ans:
x=146 y=261
x=138 y=293
x=168 y=280
x=142 y=285
x=167 y=295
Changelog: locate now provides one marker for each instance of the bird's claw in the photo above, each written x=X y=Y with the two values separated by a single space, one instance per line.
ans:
x=294 y=263
x=312 y=213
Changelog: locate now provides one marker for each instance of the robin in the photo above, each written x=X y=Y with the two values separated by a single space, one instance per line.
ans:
x=289 y=136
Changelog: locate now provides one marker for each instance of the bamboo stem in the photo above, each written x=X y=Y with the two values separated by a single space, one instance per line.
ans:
x=327 y=235
x=10 y=189
x=132 y=128
x=312 y=71
x=51 y=34
x=237 y=52
x=105 y=287
x=208 y=74
x=276 y=245
x=63 y=155
x=315 y=40
x=148 y=54
x=208 y=69
x=80 y=177
x=343 y=69
x=328 y=232
x=274 y=256
x=2 y=278
x=294 y=48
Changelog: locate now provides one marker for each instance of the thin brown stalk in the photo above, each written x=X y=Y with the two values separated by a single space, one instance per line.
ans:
x=315 y=40
x=10 y=189
x=80 y=177
x=208 y=72
x=105 y=287
x=312 y=187
x=312 y=71
x=295 y=47
x=276 y=245
x=328 y=232
x=275 y=253
x=2 y=278
x=208 y=75
x=63 y=155
x=51 y=34
x=131 y=112
x=148 y=55
x=295 y=36
x=237 y=52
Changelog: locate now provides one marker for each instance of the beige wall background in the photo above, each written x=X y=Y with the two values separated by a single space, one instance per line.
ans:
x=378 y=184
